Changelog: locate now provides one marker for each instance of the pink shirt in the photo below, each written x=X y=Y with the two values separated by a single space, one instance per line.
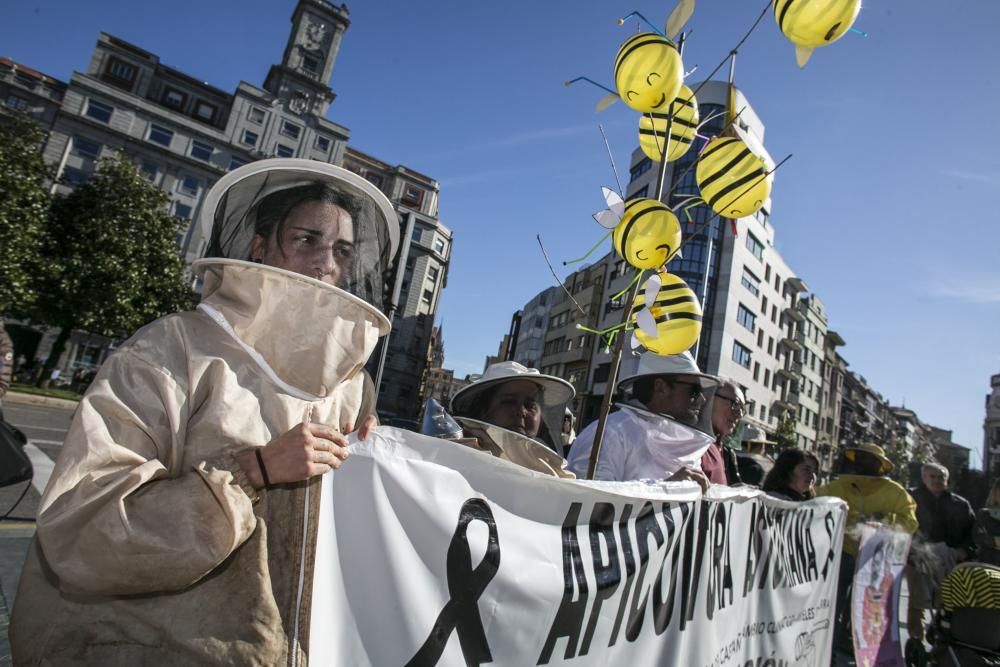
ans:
x=713 y=465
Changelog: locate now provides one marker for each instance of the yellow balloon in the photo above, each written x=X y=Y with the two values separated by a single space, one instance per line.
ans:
x=648 y=234
x=732 y=180
x=653 y=127
x=677 y=315
x=648 y=72
x=813 y=23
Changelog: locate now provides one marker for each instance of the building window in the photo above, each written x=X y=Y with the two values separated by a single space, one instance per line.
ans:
x=182 y=211
x=745 y=317
x=236 y=162
x=412 y=195
x=767 y=273
x=99 y=111
x=322 y=144
x=310 y=64
x=86 y=148
x=756 y=371
x=256 y=115
x=149 y=169
x=120 y=73
x=750 y=281
x=767 y=377
x=201 y=151
x=290 y=130
x=249 y=138
x=374 y=179
x=17 y=103
x=427 y=297
x=755 y=246
x=760 y=338
x=417 y=233
x=205 y=111
x=762 y=216
x=640 y=168
x=188 y=185
x=284 y=151
x=74 y=176
x=433 y=273
x=160 y=135
x=640 y=193
x=741 y=354
x=439 y=246
x=173 y=98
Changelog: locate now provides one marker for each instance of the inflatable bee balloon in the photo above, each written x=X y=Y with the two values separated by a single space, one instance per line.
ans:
x=653 y=128
x=814 y=23
x=733 y=181
x=648 y=235
x=666 y=315
x=648 y=72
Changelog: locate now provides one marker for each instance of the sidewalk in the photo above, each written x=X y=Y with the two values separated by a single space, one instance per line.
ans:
x=14 y=541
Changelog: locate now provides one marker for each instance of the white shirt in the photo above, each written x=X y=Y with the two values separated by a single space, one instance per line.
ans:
x=639 y=444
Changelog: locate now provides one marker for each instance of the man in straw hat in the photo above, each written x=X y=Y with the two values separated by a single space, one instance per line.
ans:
x=870 y=496
x=179 y=526
x=660 y=431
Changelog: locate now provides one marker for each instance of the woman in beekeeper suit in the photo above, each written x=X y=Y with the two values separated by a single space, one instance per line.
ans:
x=179 y=524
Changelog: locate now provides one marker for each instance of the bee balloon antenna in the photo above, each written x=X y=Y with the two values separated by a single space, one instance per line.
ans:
x=589 y=252
x=642 y=18
x=590 y=81
x=553 y=271
x=861 y=33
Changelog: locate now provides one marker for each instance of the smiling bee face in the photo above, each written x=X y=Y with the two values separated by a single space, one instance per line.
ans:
x=732 y=179
x=648 y=72
x=648 y=235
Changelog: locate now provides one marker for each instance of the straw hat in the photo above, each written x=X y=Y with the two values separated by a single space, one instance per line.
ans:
x=874 y=450
x=555 y=391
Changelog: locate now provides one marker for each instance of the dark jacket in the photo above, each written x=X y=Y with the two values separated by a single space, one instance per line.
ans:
x=947 y=518
x=988 y=536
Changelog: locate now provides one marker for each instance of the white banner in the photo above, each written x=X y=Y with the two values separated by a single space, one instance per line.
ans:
x=431 y=553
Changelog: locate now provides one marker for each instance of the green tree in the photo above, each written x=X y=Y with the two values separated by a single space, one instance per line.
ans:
x=785 y=433
x=24 y=207
x=115 y=265
x=897 y=453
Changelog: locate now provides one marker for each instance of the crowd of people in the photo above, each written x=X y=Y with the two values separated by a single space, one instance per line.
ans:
x=187 y=481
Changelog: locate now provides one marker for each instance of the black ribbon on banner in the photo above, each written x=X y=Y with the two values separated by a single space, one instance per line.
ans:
x=465 y=586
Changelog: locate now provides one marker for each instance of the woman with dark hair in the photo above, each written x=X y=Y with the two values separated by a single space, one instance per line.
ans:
x=793 y=476
x=179 y=526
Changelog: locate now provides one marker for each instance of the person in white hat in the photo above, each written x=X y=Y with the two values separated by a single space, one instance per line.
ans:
x=519 y=399
x=180 y=521
x=661 y=431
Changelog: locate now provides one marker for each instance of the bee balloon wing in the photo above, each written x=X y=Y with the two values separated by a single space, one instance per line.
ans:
x=612 y=215
x=635 y=343
x=652 y=289
x=802 y=55
x=606 y=101
x=679 y=18
x=647 y=323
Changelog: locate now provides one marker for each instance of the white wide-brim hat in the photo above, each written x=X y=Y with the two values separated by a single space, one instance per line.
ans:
x=555 y=391
x=654 y=365
x=754 y=434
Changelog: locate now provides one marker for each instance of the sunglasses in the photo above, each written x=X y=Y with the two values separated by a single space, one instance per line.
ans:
x=735 y=405
x=695 y=389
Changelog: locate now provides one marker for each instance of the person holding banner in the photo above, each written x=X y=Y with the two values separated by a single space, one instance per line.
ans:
x=793 y=476
x=180 y=523
x=719 y=462
x=870 y=496
x=661 y=431
x=519 y=399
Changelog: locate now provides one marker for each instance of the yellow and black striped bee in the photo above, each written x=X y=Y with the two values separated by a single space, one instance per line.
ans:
x=666 y=315
x=814 y=23
x=648 y=235
x=648 y=72
x=733 y=180
x=653 y=127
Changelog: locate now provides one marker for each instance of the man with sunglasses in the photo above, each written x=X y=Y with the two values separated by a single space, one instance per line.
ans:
x=719 y=463
x=662 y=426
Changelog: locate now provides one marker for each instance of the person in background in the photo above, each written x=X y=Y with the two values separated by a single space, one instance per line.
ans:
x=519 y=399
x=719 y=462
x=568 y=431
x=943 y=539
x=660 y=431
x=6 y=363
x=754 y=463
x=793 y=476
x=870 y=496
x=987 y=531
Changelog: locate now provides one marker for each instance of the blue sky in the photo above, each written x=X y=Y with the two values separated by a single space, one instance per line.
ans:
x=888 y=208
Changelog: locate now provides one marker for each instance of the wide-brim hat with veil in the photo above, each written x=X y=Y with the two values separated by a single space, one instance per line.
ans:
x=229 y=216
